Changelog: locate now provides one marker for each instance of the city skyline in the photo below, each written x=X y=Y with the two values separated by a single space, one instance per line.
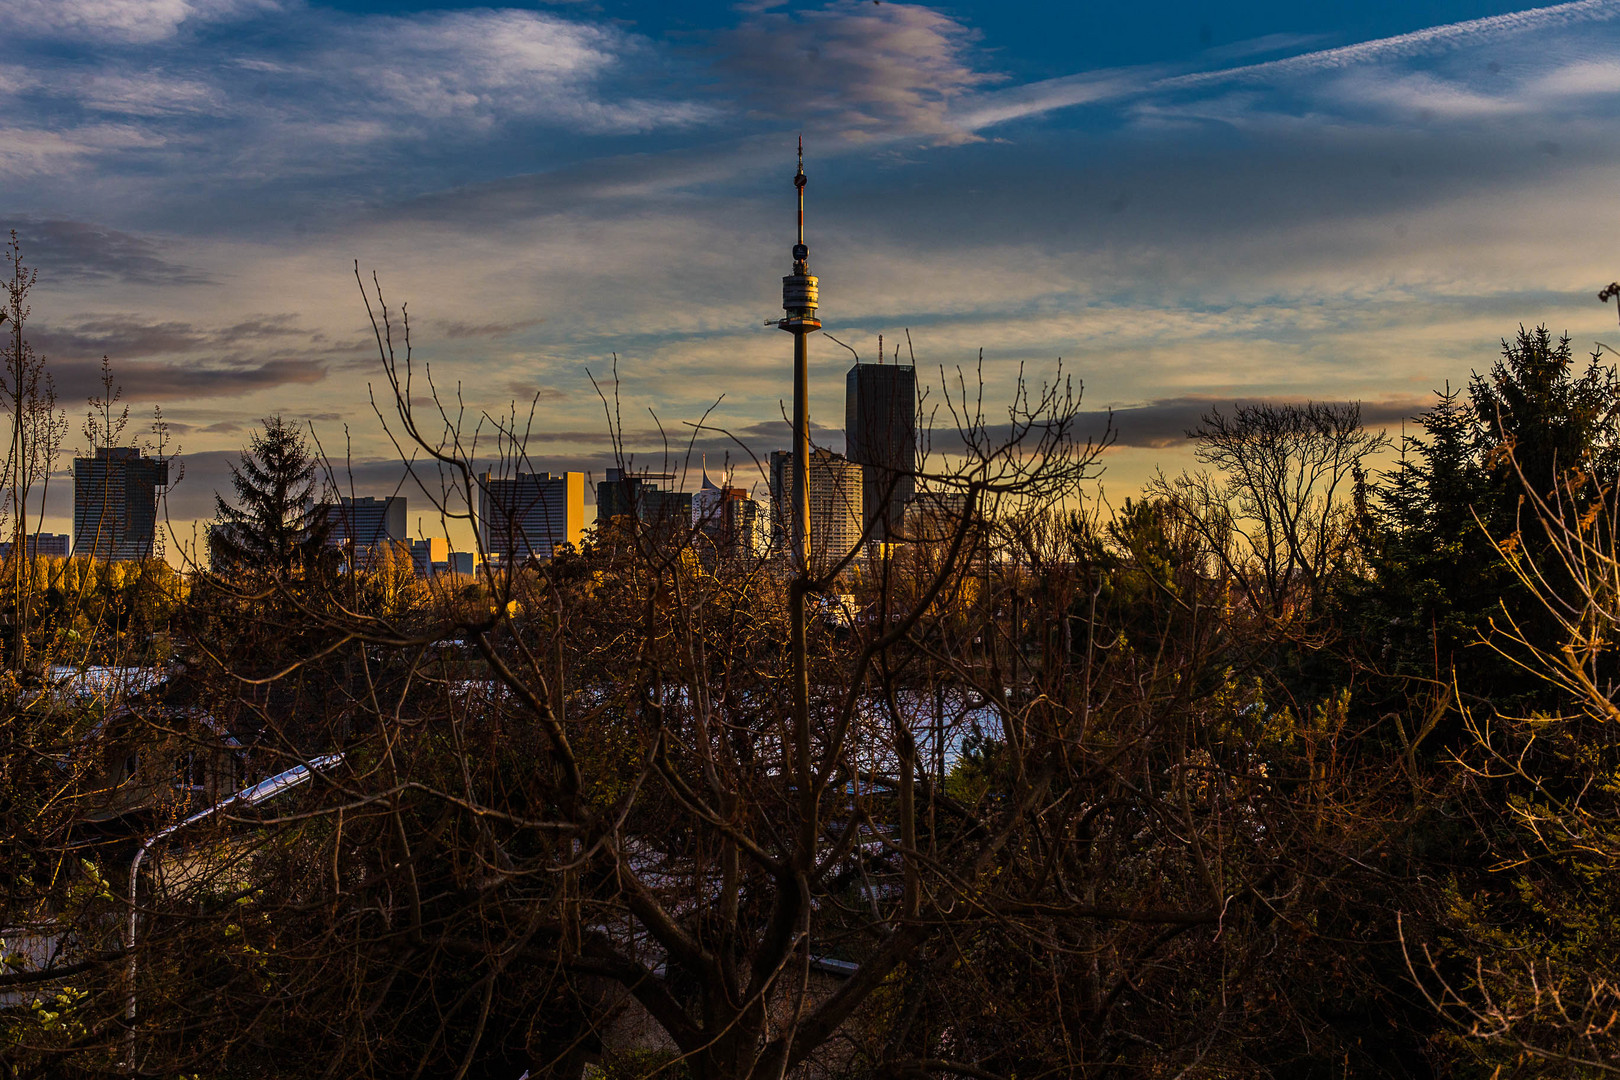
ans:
x=1251 y=202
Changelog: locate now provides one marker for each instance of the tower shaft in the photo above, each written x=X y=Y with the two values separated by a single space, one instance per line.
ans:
x=800 y=299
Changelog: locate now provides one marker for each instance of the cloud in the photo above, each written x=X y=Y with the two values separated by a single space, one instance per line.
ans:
x=81 y=251
x=1166 y=421
x=177 y=360
x=484 y=67
x=1420 y=43
x=127 y=336
x=26 y=151
x=148 y=380
x=150 y=93
x=1416 y=91
x=859 y=70
x=1578 y=79
x=454 y=328
x=128 y=21
x=312 y=92
x=528 y=392
x=1425 y=95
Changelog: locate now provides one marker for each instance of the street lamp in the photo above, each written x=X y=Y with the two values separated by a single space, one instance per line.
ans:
x=263 y=791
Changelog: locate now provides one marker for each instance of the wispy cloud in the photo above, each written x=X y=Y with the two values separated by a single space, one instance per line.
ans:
x=1417 y=91
x=313 y=91
x=85 y=251
x=1420 y=43
x=1166 y=422
x=856 y=70
x=125 y=21
x=146 y=380
x=123 y=335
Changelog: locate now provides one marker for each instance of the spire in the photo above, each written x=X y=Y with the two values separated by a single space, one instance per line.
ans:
x=799 y=289
x=801 y=253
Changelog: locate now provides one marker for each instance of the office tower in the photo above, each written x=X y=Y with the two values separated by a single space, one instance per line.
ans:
x=880 y=433
x=637 y=494
x=529 y=515
x=365 y=526
x=933 y=517
x=727 y=517
x=115 y=503
x=781 y=471
x=835 y=491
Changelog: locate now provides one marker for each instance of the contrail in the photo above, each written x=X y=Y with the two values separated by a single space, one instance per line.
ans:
x=998 y=107
x=1417 y=43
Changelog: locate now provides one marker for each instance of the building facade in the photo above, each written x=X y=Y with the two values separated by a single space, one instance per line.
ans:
x=880 y=431
x=50 y=544
x=623 y=494
x=530 y=515
x=431 y=556
x=366 y=524
x=836 y=503
x=934 y=517
x=115 y=503
x=727 y=517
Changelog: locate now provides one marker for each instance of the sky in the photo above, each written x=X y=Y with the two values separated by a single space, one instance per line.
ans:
x=1183 y=203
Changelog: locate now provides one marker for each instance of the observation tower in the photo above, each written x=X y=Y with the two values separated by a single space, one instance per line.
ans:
x=799 y=302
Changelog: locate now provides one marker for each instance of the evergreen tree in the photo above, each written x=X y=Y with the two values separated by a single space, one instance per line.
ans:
x=278 y=528
x=1541 y=427
x=1532 y=425
x=1435 y=572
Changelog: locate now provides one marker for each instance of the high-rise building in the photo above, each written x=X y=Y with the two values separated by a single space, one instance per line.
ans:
x=835 y=485
x=624 y=493
x=529 y=515
x=880 y=433
x=366 y=525
x=115 y=503
x=934 y=517
x=727 y=517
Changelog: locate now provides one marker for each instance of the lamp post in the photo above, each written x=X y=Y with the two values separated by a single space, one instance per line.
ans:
x=263 y=791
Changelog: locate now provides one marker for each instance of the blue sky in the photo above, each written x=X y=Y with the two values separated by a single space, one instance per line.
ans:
x=1187 y=202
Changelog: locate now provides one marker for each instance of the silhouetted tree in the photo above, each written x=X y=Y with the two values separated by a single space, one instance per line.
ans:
x=277 y=529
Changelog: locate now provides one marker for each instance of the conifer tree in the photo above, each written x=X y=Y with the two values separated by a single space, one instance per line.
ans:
x=277 y=528
x=1436 y=573
x=1558 y=425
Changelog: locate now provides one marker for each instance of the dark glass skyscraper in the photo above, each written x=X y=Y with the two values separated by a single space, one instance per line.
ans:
x=880 y=429
x=115 y=503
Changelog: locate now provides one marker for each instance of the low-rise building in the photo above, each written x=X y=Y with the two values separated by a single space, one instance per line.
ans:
x=637 y=495
x=55 y=545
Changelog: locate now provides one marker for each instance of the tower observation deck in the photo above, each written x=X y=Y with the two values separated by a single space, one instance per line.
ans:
x=800 y=298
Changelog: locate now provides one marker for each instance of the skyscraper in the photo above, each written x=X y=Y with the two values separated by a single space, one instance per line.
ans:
x=365 y=525
x=529 y=515
x=835 y=504
x=115 y=503
x=880 y=431
x=727 y=517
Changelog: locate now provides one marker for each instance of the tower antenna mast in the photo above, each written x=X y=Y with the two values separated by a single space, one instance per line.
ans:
x=800 y=297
